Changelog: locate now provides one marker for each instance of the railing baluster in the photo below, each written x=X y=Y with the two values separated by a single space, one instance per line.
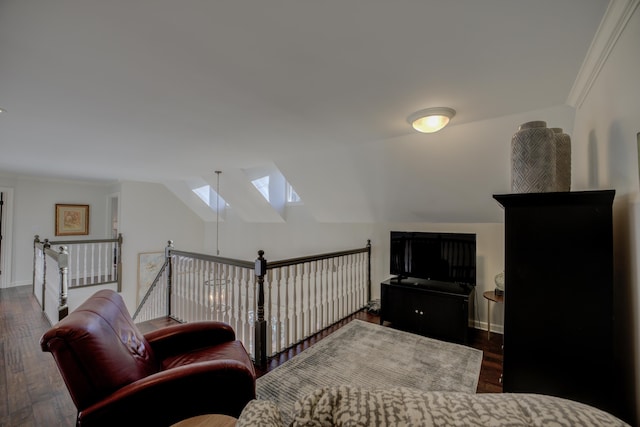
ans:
x=213 y=290
x=293 y=279
x=84 y=263
x=272 y=321
x=358 y=279
x=99 y=259
x=352 y=283
x=199 y=291
x=254 y=308
x=76 y=269
x=228 y=289
x=314 y=299
x=281 y=326
x=305 y=302
x=227 y=296
x=332 y=290
x=284 y=291
x=93 y=254
x=243 y=315
x=324 y=293
x=340 y=289
x=216 y=291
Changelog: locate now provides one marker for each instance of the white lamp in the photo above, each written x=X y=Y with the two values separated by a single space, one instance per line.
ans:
x=431 y=119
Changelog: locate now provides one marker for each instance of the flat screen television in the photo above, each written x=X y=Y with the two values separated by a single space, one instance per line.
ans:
x=446 y=257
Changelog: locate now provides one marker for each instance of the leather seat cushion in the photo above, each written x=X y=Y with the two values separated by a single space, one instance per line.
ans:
x=232 y=350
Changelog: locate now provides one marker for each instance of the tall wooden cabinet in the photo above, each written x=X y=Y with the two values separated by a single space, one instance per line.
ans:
x=558 y=313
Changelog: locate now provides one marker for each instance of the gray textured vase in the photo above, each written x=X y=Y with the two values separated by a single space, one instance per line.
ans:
x=563 y=160
x=533 y=159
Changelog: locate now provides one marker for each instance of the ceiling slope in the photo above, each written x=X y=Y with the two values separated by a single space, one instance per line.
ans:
x=161 y=91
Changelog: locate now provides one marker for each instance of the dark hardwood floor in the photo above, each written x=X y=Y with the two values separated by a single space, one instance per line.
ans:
x=32 y=392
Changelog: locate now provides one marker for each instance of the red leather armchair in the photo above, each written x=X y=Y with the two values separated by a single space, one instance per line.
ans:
x=118 y=376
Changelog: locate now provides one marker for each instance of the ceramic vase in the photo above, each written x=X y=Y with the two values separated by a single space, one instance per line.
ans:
x=533 y=159
x=563 y=160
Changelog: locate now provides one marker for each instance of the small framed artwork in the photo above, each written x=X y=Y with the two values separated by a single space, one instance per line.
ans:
x=72 y=220
x=149 y=265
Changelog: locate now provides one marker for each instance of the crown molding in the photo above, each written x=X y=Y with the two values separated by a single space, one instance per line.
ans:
x=615 y=19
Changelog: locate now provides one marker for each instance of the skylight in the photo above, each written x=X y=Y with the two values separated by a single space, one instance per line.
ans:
x=262 y=185
x=273 y=187
x=292 y=196
x=203 y=192
x=209 y=195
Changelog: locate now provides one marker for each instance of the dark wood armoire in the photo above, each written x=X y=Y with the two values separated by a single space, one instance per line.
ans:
x=558 y=313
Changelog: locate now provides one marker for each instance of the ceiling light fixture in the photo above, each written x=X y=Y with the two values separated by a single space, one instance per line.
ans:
x=431 y=119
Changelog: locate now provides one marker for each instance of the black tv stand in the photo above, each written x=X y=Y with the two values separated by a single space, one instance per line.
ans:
x=431 y=308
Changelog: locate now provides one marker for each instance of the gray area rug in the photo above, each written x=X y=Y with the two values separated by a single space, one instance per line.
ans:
x=368 y=355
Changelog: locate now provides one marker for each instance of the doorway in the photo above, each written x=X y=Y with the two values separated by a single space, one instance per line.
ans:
x=6 y=235
x=114 y=214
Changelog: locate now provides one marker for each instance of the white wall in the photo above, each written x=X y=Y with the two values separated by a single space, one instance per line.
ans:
x=33 y=211
x=605 y=155
x=150 y=215
x=302 y=235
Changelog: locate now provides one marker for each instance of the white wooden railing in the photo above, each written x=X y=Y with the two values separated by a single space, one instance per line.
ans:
x=73 y=265
x=305 y=295
x=51 y=281
x=292 y=299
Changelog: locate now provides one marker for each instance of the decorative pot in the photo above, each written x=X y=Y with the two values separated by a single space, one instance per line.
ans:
x=563 y=160
x=533 y=159
x=499 y=279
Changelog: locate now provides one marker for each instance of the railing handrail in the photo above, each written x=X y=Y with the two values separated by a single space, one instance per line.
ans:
x=271 y=264
x=311 y=258
x=71 y=242
x=48 y=242
x=56 y=254
x=214 y=258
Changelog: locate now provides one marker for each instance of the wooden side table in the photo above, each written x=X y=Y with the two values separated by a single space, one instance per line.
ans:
x=210 y=420
x=491 y=296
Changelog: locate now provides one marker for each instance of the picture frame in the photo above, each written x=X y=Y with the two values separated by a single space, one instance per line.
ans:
x=149 y=264
x=72 y=220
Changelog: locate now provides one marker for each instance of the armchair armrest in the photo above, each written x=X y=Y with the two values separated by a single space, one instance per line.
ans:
x=164 y=398
x=166 y=342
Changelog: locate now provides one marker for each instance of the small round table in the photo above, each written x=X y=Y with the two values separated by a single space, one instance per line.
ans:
x=491 y=296
x=211 y=420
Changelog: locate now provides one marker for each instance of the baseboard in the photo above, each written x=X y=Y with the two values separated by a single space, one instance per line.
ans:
x=496 y=329
x=18 y=283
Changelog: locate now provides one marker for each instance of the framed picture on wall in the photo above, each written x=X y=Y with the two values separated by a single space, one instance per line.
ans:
x=72 y=220
x=149 y=265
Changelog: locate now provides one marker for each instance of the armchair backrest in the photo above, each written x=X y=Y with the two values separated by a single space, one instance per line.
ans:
x=99 y=349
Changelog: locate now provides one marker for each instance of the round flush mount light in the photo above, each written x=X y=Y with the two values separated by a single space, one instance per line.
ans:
x=431 y=119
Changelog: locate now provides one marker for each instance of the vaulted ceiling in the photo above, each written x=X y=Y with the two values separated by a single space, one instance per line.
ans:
x=170 y=91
